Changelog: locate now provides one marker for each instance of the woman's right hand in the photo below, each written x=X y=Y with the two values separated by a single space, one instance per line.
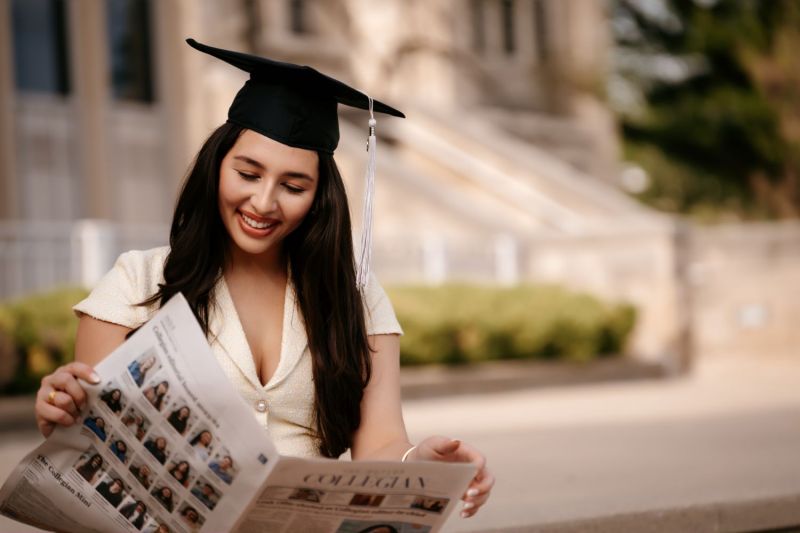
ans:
x=61 y=397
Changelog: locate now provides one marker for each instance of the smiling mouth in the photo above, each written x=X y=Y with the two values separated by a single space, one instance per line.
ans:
x=256 y=224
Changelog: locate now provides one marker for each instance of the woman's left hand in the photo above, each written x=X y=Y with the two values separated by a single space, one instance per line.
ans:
x=455 y=451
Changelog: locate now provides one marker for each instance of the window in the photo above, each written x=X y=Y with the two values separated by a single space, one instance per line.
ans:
x=478 y=16
x=129 y=47
x=507 y=19
x=40 y=46
x=297 y=17
x=540 y=30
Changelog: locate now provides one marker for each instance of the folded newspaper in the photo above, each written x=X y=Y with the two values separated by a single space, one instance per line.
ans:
x=166 y=445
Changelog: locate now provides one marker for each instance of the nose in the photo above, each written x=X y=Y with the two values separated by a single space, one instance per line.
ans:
x=264 y=198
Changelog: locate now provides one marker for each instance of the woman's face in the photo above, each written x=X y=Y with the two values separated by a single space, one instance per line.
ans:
x=97 y=461
x=162 y=387
x=115 y=487
x=166 y=492
x=115 y=394
x=121 y=446
x=144 y=471
x=99 y=422
x=266 y=188
x=183 y=413
x=161 y=443
x=205 y=438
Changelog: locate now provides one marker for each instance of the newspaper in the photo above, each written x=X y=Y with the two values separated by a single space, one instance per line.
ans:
x=166 y=445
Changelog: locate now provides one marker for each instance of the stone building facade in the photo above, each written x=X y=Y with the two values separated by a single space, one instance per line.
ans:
x=501 y=173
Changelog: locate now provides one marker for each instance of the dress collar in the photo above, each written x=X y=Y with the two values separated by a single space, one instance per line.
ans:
x=232 y=340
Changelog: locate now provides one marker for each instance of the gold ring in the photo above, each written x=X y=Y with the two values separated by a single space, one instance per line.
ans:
x=51 y=398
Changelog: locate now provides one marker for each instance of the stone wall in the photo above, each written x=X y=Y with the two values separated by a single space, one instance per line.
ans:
x=745 y=283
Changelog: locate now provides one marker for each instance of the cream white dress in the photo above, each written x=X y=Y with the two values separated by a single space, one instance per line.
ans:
x=284 y=406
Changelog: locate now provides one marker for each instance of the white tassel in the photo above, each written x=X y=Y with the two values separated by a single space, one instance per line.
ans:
x=369 y=193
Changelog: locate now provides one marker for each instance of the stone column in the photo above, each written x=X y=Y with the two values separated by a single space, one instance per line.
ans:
x=178 y=85
x=8 y=177
x=88 y=42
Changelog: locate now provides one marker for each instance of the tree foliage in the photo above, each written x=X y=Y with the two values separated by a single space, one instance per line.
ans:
x=716 y=128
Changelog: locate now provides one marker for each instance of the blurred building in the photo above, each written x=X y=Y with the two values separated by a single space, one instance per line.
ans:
x=503 y=171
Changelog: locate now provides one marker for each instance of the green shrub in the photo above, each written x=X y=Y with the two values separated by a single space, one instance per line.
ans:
x=454 y=324
x=41 y=329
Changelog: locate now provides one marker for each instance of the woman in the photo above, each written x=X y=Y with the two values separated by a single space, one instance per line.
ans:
x=202 y=444
x=164 y=496
x=179 y=418
x=90 y=467
x=158 y=447
x=142 y=474
x=113 y=399
x=120 y=450
x=261 y=247
x=139 y=370
x=222 y=468
x=97 y=425
x=135 y=513
x=180 y=471
x=111 y=491
x=155 y=394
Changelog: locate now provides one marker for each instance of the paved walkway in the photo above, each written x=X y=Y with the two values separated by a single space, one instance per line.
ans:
x=716 y=451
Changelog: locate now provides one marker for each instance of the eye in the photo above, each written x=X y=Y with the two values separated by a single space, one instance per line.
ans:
x=292 y=189
x=248 y=177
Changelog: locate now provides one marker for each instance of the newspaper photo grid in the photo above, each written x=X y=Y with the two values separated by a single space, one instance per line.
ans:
x=167 y=445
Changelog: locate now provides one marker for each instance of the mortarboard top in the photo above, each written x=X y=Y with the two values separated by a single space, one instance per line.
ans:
x=292 y=104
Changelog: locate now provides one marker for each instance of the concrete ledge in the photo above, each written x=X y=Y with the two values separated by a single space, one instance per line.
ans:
x=778 y=514
x=496 y=376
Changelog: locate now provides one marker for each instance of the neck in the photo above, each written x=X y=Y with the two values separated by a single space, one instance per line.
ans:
x=271 y=264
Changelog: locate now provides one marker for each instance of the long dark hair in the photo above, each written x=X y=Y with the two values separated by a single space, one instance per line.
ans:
x=320 y=251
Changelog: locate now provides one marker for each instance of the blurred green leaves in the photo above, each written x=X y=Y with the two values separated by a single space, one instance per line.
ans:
x=722 y=124
x=455 y=324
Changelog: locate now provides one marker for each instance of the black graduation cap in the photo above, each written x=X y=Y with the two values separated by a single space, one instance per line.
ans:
x=292 y=104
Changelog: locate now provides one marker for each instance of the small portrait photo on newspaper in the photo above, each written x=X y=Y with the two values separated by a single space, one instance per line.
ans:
x=112 y=398
x=158 y=445
x=190 y=517
x=144 y=366
x=112 y=488
x=135 y=511
x=433 y=505
x=202 y=441
x=307 y=495
x=180 y=470
x=367 y=500
x=135 y=422
x=181 y=417
x=206 y=493
x=95 y=424
x=164 y=495
x=157 y=393
x=91 y=466
x=118 y=444
x=141 y=471
x=224 y=466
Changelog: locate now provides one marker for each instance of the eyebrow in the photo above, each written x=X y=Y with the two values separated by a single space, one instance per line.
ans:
x=259 y=165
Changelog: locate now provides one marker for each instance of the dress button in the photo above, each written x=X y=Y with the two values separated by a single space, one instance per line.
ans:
x=261 y=406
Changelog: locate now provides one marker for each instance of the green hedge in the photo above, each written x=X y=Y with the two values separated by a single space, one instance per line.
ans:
x=450 y=324
x=37 y=334
x=466 y=323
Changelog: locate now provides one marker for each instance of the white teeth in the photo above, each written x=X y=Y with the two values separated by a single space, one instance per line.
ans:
x=257 y=225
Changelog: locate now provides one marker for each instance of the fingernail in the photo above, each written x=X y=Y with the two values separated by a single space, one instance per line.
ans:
x=94 y=378
x=456 y=441
x=468 y=506
x=463 y=514
x=472 y=492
